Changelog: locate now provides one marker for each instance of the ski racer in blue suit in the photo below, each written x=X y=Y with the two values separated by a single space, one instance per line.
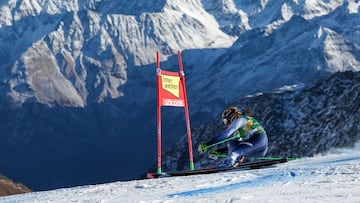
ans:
x=248 y=138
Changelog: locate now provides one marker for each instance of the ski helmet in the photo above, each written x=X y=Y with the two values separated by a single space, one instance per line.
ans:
x=230 y=114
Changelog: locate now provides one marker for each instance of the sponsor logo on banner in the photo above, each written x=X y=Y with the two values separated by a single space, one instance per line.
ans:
x=173 y=102
x=171 y=84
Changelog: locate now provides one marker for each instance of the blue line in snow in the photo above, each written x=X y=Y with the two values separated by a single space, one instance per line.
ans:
x=279 y=176
x=250 y=183
x=342 y=160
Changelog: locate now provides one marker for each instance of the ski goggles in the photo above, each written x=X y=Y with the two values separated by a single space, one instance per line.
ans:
x=225 y=121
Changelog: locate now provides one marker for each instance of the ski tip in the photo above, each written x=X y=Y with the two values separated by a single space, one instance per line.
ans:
x=156 y=175
x=292 y=158
x=152 y=175
x=278 y=159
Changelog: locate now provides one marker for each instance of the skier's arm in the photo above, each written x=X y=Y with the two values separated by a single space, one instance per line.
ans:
x=235 y=125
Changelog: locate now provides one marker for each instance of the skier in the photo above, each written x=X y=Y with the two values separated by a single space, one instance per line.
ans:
x=250 y=138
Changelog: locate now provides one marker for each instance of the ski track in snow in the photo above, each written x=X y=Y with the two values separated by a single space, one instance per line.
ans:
x=249 y=183
x=274 y=176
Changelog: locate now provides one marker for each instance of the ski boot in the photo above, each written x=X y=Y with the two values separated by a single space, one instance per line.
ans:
x=228 y=162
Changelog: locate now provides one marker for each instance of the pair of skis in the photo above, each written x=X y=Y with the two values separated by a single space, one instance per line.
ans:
x=215 y=154
x=244 y=166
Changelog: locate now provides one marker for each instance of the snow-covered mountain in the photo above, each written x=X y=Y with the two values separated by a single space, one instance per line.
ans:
x=73 y=53
x=77 y=84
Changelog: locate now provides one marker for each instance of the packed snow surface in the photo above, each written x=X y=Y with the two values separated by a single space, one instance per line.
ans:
x=334 y=177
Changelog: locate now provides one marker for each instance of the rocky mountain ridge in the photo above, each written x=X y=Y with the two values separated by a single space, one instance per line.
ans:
x=301 y=121
x=9 y=187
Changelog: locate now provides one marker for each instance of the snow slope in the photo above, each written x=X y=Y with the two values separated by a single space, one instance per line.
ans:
x=334 y=177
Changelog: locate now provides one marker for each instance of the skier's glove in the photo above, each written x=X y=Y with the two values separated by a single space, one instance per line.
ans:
x=214 y=155
x=239 y=137
x=202 y=148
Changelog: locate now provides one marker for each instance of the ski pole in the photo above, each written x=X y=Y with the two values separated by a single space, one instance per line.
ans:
x=224 y=140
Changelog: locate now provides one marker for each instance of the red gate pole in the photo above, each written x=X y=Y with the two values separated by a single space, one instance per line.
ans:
x=182 y=79
x=158 y=78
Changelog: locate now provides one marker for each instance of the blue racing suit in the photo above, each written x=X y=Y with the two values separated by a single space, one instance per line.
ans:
x=251 y=138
